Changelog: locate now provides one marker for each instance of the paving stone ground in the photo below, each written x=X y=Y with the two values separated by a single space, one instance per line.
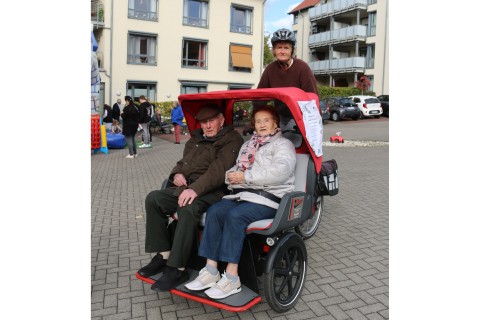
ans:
x=348 y=257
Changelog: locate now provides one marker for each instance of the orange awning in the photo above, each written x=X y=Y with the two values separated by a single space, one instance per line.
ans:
x=241 y=56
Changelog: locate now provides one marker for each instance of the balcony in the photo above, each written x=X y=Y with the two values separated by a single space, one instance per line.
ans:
x=342 y=35
x=335 y=7
x=345 y=65
x=97 y=14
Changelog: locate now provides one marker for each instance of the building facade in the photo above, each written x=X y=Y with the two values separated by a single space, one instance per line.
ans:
x=163 y=48
x=343 y=40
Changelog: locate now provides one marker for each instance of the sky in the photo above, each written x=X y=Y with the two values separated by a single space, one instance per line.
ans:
x=276 y=16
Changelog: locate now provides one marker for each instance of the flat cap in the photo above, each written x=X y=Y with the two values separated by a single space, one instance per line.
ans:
x=207 y=112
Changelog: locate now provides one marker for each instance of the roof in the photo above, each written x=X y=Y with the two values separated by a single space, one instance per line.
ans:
x=305 y=4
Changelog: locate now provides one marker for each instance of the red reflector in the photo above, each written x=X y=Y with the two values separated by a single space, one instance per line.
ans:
x=365 y=105
x=266 y=248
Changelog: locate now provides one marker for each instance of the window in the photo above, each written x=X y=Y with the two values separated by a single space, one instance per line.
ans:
x=295 y=18
x=192 y=87
x=143 y=9
x=241 y=19
x=370 y=59
x=372 y=24
x=371 y=1
x=240 y=58
x=142 y=48
x=195 y=13
x=138 y=88
x=194 y=53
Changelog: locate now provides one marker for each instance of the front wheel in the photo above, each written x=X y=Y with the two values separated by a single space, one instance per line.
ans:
x=308 y=228
x=335 y=116
x=284 y=281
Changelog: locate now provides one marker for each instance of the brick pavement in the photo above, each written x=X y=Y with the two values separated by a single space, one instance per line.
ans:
x=348 y=257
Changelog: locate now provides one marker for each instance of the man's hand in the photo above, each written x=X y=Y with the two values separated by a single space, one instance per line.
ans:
x=179 y=180
x=186 y=197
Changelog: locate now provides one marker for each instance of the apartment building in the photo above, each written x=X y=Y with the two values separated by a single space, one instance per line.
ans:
x=343 y=40
x=163 y=48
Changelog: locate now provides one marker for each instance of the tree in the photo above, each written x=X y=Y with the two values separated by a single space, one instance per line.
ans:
x=363 y=84
x=267 y=53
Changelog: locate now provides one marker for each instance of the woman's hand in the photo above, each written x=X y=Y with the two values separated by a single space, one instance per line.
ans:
x=236 y=177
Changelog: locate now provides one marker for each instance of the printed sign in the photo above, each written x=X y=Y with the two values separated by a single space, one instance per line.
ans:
x=313 y=125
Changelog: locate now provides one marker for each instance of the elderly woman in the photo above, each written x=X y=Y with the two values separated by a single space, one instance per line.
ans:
x=263 y=173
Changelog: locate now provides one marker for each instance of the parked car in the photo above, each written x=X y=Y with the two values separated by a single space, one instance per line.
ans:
x=325 y=110
x=384 y=101
x=370 y=106
x=342 y=107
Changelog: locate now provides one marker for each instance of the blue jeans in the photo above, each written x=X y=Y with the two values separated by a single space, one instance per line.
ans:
x=225 y=227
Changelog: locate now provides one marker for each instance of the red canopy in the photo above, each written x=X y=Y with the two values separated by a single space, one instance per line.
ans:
x=192 y=103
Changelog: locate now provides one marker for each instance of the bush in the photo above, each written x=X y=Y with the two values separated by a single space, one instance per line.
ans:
x=326 y=92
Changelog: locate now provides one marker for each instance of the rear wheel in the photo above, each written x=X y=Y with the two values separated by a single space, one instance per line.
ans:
x=284 y=282
x=335 y=116
x=310 y=226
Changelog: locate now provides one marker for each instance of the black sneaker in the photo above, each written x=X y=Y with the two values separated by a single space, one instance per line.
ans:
x=171 y=278
x=155 y=266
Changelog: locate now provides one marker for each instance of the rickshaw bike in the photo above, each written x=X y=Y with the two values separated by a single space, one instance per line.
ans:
x=273 y=248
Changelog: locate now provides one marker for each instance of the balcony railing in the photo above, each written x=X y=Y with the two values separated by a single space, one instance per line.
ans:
x=141 y=59
x=354 y=64
x=240 y=28
x=335 y=7
x=142 y=15
x=97 y=13
x=196 y=22
x=337 y=36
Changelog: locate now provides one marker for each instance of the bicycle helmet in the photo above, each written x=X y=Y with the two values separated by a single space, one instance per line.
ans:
x=283 y=35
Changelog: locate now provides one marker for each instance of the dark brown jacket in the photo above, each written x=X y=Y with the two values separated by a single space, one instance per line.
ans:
x=205 y=161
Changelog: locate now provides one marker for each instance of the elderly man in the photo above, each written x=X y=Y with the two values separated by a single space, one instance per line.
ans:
x=199 y=182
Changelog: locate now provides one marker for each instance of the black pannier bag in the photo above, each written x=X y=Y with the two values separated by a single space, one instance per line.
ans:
x=328 y=178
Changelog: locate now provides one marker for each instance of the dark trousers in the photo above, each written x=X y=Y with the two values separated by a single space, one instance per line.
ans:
x=159 y=205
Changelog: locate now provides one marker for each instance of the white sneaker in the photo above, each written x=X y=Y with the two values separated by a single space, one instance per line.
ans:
x=143 y=145
x=224 y=288
x=130 y=156
x=203 y=281
x=135 y=155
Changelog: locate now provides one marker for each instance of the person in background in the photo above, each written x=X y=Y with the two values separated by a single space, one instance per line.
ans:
x=198 y=181
x=130 y=116
x=176 y=119
x=107 y=117
x=153 y=120
x=116 y=109
x=264 y=172
x=145 y=117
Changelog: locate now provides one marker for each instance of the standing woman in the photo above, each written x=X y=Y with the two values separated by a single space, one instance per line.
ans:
x=263 y=174
x=286 y=70
x=130 y=116
x=176 y=119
